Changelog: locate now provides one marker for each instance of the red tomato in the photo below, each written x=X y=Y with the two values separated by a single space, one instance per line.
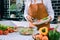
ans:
x=11 y=31
x=1 y=32
x=5 y=32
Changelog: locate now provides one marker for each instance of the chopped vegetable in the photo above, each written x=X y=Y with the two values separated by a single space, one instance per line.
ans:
x=26 y=30
x=45 y=18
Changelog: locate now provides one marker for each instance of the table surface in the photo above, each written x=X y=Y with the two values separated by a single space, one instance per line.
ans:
x=15 y=35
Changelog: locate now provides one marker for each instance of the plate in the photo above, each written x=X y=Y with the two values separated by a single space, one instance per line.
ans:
x=26 y=31
x=41 y=21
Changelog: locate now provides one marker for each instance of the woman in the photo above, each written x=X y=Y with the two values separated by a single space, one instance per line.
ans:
x=38 y=9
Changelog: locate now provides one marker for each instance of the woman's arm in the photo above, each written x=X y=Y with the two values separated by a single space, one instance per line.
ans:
x=27 y=17
x=26 y=9
x=50 y=9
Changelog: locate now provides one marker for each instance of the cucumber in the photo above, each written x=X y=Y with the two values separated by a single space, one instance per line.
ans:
x=45 y=18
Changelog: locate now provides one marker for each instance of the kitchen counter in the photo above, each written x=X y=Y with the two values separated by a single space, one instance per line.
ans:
x=16 y=35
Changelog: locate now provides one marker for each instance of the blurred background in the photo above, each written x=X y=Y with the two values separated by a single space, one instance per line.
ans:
x=14 y=10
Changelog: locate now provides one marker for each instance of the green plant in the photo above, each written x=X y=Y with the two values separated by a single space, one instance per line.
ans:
x=13 y=6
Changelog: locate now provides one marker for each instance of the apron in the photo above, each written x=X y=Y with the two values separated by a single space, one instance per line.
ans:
x=38 y=11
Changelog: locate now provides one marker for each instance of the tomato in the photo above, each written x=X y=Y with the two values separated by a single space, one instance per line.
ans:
x=11 y=31
x=5 y=32
x=1 y=32
x=45 y=38
x=41 y=36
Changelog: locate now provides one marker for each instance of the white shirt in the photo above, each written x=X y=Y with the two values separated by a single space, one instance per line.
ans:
x=47 y=4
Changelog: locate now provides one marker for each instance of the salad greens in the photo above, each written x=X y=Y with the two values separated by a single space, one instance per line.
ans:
x=26 y=30
x=4 y=27
x=45 y=18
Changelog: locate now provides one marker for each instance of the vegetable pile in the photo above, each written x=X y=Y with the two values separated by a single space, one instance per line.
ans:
x=53 y=34
x=4 y=30
x=47 y=34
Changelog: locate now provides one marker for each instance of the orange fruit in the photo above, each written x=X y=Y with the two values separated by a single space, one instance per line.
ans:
x=45 y=38
x=40 y=36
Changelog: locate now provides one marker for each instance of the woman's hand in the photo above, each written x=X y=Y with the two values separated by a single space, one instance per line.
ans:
x=29 y=18
x=49 y=20
x=31 y=25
